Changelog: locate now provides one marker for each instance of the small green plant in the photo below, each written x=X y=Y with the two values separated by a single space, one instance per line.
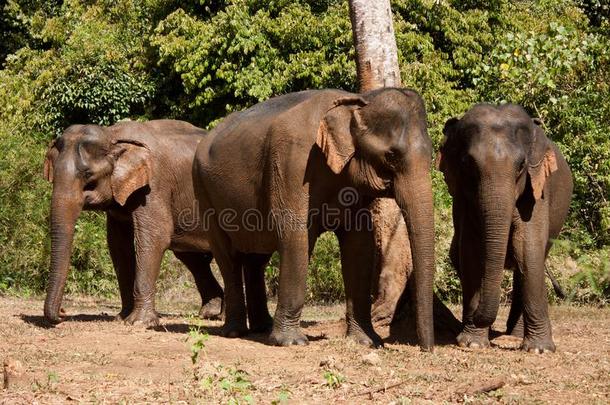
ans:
x=49 y=385
x=198 y=337
x=52 y=378
x=229 y=382
x=282 y=397
x=333 y=379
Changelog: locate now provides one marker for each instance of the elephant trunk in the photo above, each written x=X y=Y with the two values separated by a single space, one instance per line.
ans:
x=413 y=191
x=497 y=207
x=66 y=205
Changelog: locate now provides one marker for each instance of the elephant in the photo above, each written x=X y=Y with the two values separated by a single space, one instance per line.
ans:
x=139 y=174
x=511 y=190
x=313 y=161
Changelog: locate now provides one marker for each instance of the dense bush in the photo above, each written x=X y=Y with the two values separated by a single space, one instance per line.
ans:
x=101 y=61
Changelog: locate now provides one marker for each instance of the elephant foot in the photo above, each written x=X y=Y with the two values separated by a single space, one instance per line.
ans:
x=234 y=329
x=288 y=337
x=121 y=316
x=382 y=314
x=143 y=316
x=473 y=340
x=369 y=338
x=211 y=309
x=538 y=345
x=261 y=324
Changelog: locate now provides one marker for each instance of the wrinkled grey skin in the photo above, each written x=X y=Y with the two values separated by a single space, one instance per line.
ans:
x=292 y=156
x=511 y=191
x=140 y=175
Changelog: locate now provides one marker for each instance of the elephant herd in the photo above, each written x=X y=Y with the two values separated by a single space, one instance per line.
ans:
x=275 y=176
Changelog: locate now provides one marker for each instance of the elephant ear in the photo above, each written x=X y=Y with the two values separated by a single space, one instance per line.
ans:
x=334 y=134
x=542 y=162
x=448 y=130
x=132 y=169
x=446 y=155
x=51 y=155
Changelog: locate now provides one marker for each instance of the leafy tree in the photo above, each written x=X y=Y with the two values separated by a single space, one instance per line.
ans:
x=100 y=61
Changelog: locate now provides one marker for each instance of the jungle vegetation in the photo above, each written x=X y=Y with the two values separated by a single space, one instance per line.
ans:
x=100 y=61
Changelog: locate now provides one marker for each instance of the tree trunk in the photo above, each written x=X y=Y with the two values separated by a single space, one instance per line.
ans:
x=377 y=66
x=376 y=52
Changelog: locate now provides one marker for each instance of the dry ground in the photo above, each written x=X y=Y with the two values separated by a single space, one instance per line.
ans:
x=91 y=358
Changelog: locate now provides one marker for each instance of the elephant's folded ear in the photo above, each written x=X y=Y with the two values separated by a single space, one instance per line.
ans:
x=334 y=136
x=541 y=171
x=132 y=171
x=50 y=157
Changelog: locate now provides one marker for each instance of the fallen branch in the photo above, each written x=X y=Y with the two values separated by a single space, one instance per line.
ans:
x=380 y=389
x=487 y=386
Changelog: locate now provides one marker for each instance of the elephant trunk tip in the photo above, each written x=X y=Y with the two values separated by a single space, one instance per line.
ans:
x=53 y=315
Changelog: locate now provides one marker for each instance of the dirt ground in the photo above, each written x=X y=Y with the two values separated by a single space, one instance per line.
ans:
x=91 y=358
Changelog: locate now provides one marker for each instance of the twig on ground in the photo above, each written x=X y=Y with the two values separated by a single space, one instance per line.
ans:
x=380 y=389
x=487 y=386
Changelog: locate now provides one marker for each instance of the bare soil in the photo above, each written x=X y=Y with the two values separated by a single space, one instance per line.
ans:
x=92 y=358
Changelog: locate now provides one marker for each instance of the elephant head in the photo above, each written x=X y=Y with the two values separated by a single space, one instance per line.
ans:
x=380 y=140
x=495 y=160
x=91 y=167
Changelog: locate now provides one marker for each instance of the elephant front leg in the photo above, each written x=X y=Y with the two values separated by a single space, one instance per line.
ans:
x=150 y=245
x=470 y=271
x=530 y=246
x=538 y=335
x=471 y=336
x=294 y=257
x=120 y=243
x=357 y=261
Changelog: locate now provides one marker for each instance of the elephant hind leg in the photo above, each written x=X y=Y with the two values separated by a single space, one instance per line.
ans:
x=119 y=235
x=235 y=305
x=259 y=319
x=210 y=291
x=514 y=324
x=356 y=263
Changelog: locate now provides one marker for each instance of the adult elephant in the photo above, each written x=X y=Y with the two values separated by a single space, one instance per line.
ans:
x=307 y=162
x=139 y=173
x=511 y=191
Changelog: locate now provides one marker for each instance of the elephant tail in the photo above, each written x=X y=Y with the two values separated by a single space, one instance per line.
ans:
x=556 y=286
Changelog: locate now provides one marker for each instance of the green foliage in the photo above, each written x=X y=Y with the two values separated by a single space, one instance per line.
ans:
x=100 y=61
x=198 y=338
x=333 y=379
x=248 y=51
x=228 y=385
x=592 y=284
x=324 y=278
x=557 y=74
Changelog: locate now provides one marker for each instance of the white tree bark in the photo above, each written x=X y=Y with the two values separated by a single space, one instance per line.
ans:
x=375 y=43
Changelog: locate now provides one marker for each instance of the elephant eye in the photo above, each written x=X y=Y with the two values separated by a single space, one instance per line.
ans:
x=468 y=162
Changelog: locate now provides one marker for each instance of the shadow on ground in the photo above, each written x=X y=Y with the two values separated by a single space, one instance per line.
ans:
x=41 y=322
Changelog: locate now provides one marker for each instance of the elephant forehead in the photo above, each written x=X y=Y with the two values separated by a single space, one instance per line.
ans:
x=82 y=133
x=495 y=145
